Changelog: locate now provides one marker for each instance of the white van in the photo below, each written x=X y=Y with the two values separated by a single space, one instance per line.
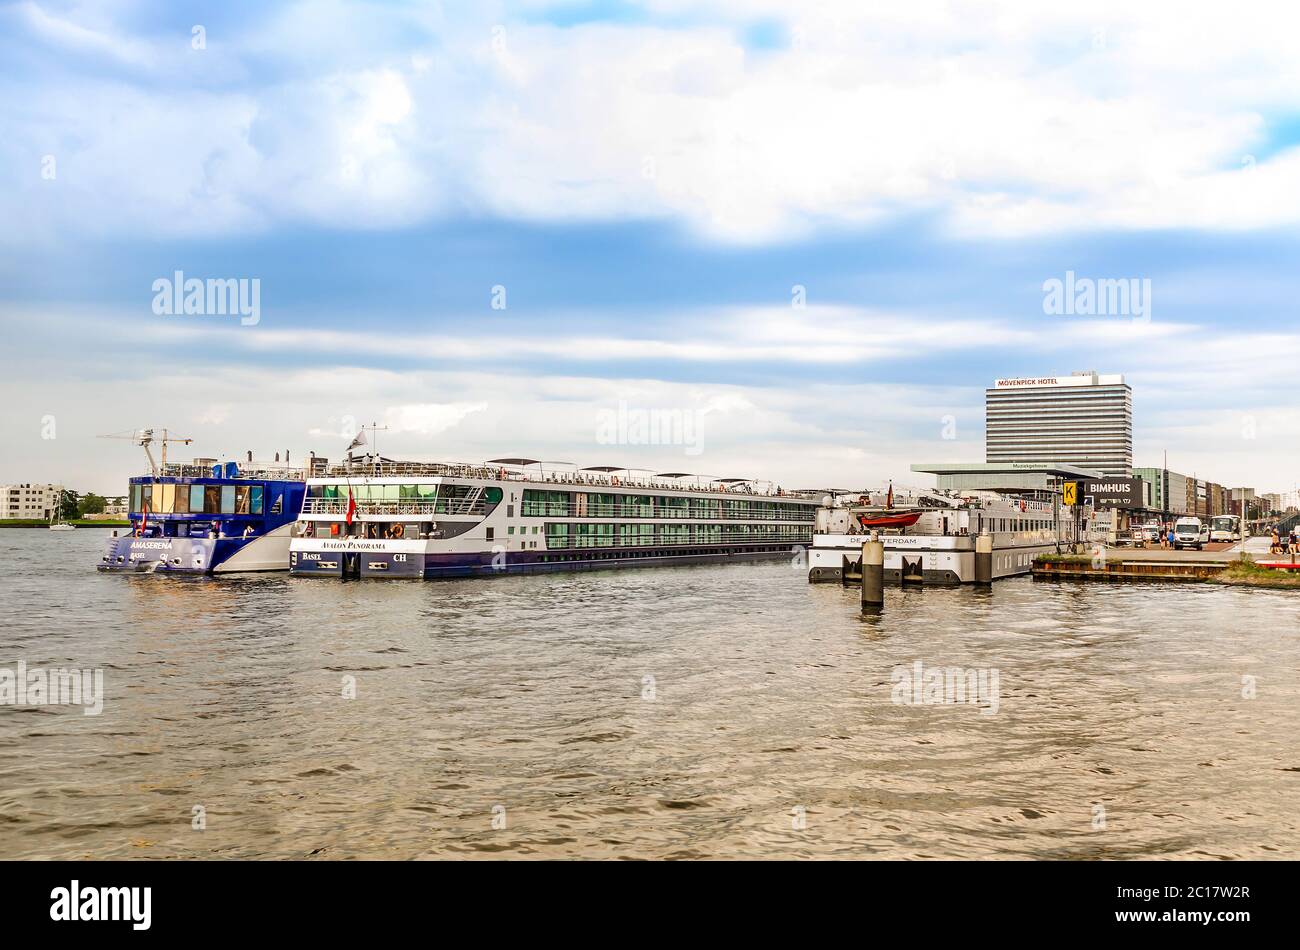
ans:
x=1190 y=533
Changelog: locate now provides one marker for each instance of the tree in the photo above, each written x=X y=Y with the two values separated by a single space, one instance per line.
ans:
x=92 y=504
x=68 y=504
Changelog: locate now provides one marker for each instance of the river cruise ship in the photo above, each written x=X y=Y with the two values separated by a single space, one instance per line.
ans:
x=381 y=518
x=937 y=545
x=207 y=517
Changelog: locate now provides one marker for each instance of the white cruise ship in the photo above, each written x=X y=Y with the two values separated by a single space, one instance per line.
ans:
x=428 y=520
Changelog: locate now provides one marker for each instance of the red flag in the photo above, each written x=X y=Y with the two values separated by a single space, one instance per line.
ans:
x=352 y=506
x=144 y=517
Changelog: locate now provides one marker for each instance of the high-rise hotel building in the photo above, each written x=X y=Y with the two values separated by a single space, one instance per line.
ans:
x=1085 y=420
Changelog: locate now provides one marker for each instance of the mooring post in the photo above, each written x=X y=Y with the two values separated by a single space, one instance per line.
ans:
x=873 y=574
x=984 y=559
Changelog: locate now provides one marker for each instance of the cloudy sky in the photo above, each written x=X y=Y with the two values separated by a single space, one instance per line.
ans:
x=815 y=235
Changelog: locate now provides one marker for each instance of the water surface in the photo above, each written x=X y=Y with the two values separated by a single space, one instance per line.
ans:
x=717 y=712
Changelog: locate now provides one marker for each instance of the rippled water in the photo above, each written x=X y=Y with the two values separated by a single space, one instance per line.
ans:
x=524 y=700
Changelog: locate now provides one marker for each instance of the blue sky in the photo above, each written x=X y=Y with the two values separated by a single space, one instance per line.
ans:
x=648 y=183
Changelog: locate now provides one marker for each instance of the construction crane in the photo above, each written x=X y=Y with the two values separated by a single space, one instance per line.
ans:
x=147 y=437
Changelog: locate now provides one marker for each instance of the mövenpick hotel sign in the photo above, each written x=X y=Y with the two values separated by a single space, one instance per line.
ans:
x=1088 y=380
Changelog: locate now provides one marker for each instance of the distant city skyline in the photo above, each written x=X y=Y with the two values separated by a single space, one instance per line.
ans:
x=816 y=236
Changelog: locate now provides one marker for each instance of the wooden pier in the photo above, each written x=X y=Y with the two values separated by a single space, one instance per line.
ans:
x=1119 y=564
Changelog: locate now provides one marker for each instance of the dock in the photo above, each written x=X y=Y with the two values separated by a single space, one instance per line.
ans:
x=1128 y=564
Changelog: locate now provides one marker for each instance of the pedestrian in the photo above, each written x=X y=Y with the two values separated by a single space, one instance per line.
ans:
x=1170 y=538
x=1275 y=545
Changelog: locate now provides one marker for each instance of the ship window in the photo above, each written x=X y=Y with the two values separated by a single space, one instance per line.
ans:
x=196 y=499
x=182 y=506
x=211 y=499
x=135 y=497
x=146 y=496
x=164 y=498
x=241 y=499
x=255 y=499
x=227 y=499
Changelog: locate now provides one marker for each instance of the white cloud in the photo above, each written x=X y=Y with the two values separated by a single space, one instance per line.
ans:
x=429 y=418
x=1034 y=120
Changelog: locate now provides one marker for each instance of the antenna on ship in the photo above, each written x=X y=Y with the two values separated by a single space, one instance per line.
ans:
x=145 y=438
x=374 y=441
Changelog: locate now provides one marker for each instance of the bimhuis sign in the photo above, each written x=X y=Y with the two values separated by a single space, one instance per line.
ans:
x=1123 y=492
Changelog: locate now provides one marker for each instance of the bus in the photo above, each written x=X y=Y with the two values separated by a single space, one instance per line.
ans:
x=1225 y=528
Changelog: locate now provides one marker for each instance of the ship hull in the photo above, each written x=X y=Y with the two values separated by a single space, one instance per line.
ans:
x=380 y=562
x=132 y=555
x=927 y=560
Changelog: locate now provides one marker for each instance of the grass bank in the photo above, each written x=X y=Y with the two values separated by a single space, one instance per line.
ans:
x=1249 y=574
x=79 y=522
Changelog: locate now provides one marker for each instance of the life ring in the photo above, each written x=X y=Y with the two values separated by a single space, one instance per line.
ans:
x=398 y=530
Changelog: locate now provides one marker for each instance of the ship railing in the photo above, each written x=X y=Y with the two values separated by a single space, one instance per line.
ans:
x=560 y=542
x=659 y=512
x=178 y=470
x=577 y=481
x=329 y=506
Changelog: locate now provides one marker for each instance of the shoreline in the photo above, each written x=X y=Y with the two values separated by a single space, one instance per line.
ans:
x=77 y=522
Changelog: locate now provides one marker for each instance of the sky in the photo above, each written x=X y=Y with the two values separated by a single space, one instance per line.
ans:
x=785 y=241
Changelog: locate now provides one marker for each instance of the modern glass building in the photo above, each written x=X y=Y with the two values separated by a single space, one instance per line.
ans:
x=1084 y=420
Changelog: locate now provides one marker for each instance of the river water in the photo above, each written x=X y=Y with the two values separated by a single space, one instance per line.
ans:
x=719 y=712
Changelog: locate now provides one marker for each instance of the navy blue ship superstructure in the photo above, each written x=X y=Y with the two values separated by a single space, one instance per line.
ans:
x=207 y=517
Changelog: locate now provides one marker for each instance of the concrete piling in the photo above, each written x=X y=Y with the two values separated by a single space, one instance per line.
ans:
x=984 y=560
x=873 y=574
